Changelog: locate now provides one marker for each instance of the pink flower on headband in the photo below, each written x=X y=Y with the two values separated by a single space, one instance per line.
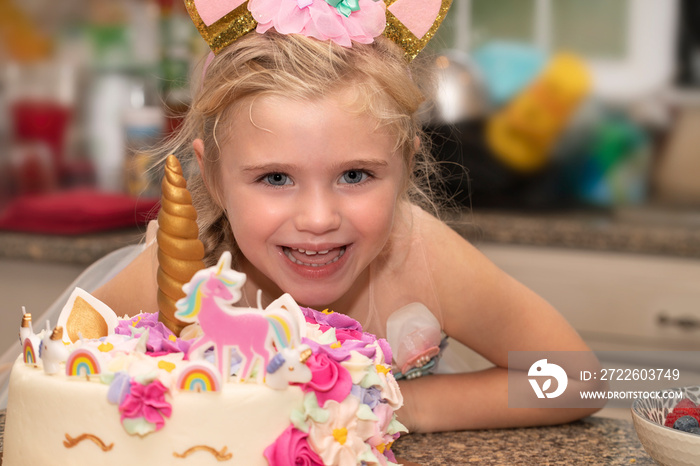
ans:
x=318 y=19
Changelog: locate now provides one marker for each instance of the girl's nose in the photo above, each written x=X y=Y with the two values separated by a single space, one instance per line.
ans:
x=318 y=212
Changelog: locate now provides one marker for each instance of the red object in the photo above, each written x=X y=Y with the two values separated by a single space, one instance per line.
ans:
x=42 y=121
x=685 y=407
x=77 y=212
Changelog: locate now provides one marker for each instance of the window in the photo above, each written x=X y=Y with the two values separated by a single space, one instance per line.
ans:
x=629 y=44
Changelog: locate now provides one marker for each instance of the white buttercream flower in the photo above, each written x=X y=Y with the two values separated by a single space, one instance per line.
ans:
x=341 y=440
x=357 y=365
x=390 y=390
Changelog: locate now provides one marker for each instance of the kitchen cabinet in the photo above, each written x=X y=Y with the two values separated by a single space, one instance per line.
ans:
x=616 y=301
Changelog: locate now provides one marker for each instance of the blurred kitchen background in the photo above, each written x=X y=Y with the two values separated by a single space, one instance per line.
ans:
x=569 y=131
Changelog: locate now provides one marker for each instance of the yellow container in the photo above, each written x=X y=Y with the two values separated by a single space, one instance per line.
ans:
x=524 y=132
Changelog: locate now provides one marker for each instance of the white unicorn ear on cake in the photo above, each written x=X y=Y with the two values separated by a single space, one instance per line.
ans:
x=409 y=23
x=85 y=315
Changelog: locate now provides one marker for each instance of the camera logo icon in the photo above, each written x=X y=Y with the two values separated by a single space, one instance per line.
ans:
x=547 y=371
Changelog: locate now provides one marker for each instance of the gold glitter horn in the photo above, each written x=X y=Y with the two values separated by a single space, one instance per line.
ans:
x=180 y=252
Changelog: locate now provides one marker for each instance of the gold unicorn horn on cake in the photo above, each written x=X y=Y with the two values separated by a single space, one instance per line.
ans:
x=180 y=252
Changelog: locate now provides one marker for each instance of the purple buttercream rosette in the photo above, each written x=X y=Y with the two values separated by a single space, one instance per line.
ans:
x=160 y=338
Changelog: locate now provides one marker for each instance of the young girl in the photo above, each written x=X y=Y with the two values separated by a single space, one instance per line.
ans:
x=302 y=157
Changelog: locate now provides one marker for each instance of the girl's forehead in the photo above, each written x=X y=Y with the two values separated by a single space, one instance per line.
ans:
x=271 y=107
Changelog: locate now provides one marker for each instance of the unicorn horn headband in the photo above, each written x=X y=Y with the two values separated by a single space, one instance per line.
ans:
x=409 y=23
x=180 y=252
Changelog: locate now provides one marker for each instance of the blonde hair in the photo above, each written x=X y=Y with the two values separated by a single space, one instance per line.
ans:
x=300 y=68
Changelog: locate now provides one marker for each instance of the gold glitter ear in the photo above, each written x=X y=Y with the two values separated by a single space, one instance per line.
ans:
x=239 y=22
x=226 y=30
x=397 y=32
x=86 y=316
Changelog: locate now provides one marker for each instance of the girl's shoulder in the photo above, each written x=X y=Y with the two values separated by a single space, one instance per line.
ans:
x=426 y=249
x=435 y=235
x=452 y=261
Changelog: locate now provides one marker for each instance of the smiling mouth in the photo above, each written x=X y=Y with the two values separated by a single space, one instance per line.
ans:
x=313 y=258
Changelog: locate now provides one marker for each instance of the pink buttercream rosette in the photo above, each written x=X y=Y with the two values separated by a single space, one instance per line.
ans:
x=320 y=20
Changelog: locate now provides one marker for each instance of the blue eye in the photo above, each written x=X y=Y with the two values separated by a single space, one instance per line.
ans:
x=354 y=176
x=277 y=179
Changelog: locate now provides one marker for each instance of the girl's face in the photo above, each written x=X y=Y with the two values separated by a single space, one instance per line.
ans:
x=310 y=189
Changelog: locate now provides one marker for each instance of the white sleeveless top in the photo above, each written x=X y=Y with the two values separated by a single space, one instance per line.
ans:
x=401 y=275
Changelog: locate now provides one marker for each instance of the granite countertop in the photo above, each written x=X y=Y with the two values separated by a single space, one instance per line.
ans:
x=593 y=440
x=643 y=230
x=649 y=230
x=79 y=249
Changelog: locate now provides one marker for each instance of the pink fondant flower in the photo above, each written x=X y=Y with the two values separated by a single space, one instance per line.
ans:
x=148 y=402
x=329 y=380
x=320 y=20
x=292 y=449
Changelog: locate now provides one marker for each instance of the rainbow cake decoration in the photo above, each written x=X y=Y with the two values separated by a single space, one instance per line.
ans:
x=83 y=362
x=199 y=377
x=28 y=352
x=280 y=385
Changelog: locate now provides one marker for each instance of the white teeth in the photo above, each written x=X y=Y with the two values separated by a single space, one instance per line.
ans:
x=288 y=253
x=311 y=253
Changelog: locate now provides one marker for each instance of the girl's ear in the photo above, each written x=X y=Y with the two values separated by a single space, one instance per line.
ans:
x=198 y=146
x=416 y=149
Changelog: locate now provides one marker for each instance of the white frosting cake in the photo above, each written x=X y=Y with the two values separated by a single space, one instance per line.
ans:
x=55 y=420
x=295 y=386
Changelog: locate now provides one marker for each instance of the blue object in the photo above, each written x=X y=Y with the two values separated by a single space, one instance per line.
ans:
x=507 y=67
x=685 y=423
x=615 y=169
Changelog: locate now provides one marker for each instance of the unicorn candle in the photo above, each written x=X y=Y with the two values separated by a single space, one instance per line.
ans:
x=25 y=329
x=255 y=334
x=29 y=340
x=53 y=351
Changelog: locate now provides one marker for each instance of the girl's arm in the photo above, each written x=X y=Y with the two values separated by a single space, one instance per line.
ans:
x=491 y=313
x=474 y=400
x=134 y=289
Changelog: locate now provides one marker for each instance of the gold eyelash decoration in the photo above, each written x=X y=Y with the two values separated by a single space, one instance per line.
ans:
x=70 y=442
x=222 y=455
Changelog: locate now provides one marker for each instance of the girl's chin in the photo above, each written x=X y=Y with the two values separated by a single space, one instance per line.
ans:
x=318 y=299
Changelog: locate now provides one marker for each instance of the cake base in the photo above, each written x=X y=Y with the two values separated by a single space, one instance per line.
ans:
x=54 y=419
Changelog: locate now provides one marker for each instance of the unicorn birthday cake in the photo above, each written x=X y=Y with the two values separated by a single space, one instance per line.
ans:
x=283 y=385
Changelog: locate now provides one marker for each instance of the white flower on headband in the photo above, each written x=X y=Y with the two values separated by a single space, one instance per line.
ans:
x=341 y=21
